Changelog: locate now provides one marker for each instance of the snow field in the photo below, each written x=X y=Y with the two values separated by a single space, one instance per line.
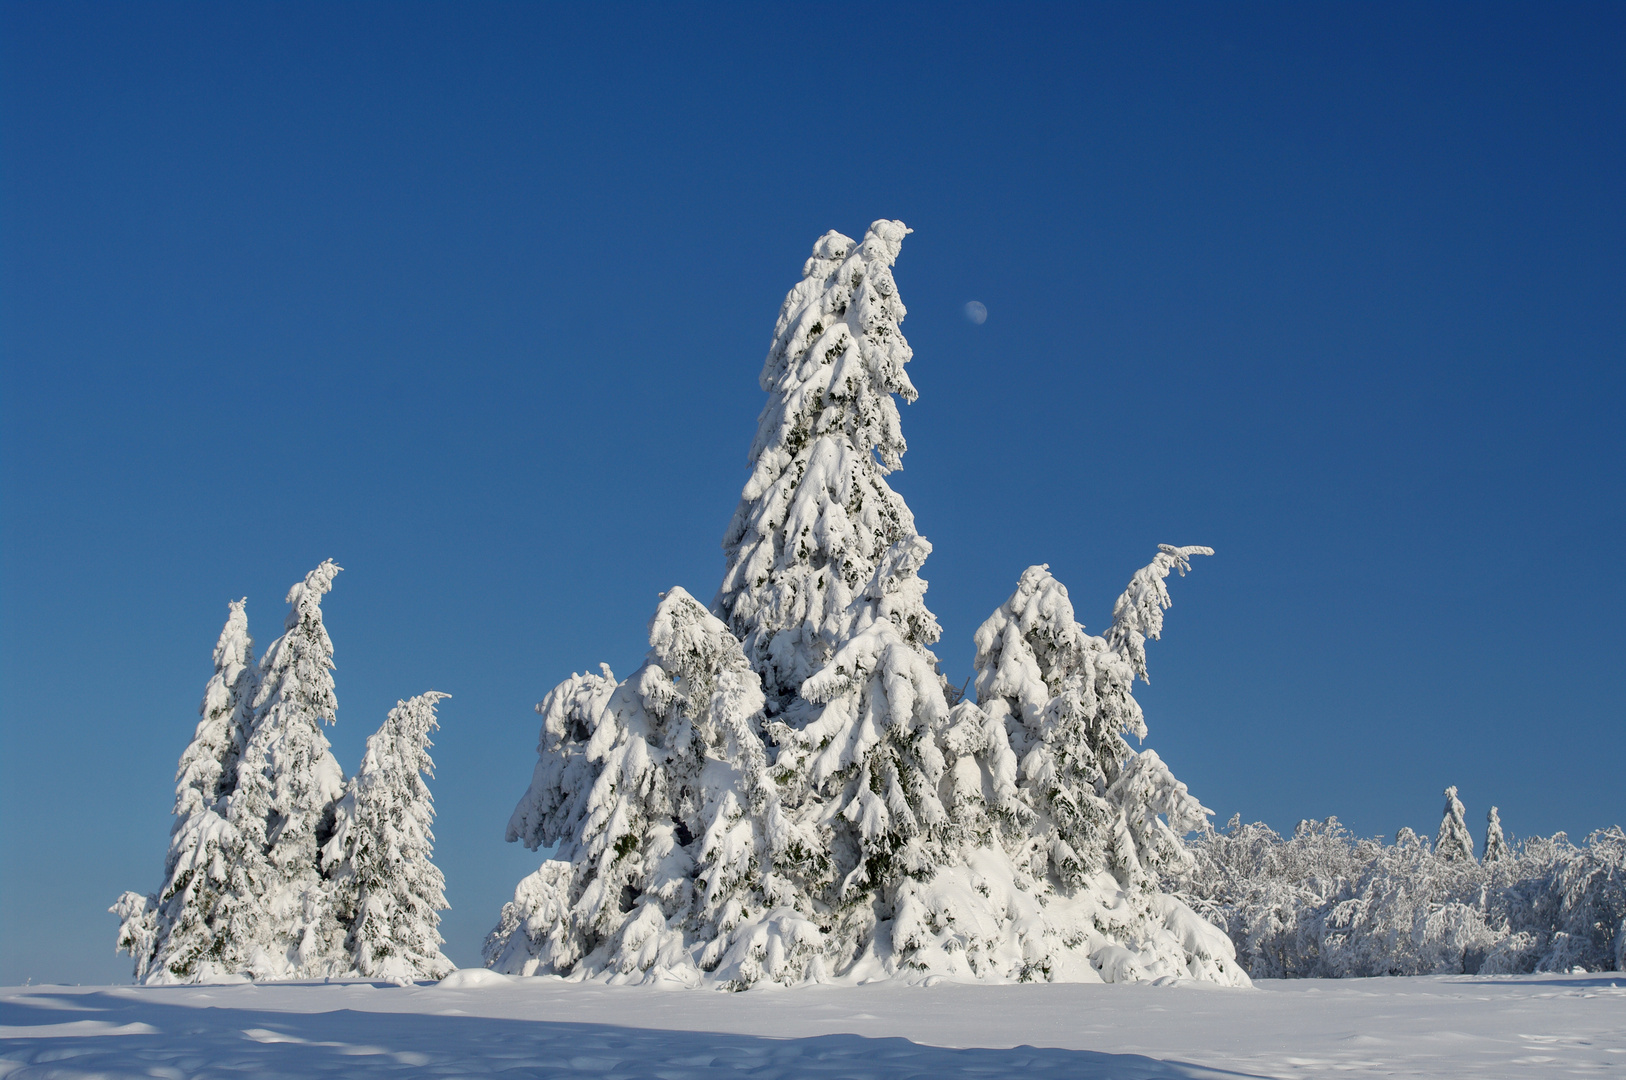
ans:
x=481 y=1024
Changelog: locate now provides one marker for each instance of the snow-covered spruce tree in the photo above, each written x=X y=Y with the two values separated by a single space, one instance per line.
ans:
x=820 y=547
x=386 y=888
x=281 y=919
x=668 y=828
x=1454 y=842
x=1066 y=699
x=1037 y=675
x=172 y=935
x=822 y=586
x=1157 y=809
x=1496 y=849
x=1105 y=821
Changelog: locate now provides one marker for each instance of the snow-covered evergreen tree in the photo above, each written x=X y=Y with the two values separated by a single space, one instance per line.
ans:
x=669 y=831
x=822 y=586
x=282 y=919
x=1098 y=825
x=1039 y=675
x=1157 y=809
x=1066 y=700
x=1454 y=840
x=173 y=934
x=1495 y=843
x=820 y=547
x=387 y=890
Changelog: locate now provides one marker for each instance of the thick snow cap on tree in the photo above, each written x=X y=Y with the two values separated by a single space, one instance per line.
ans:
x=820 y=546
x=389 y=892
x=822 y=586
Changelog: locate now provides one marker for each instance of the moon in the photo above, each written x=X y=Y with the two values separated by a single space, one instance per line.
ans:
x=976 y=312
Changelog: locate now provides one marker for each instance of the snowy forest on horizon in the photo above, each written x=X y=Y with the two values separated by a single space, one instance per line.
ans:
x=789 y=789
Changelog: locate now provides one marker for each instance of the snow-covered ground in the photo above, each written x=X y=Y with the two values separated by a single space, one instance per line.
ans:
x=1441 y=1026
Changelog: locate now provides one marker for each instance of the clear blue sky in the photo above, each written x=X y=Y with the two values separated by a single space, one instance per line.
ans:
x=473 y=298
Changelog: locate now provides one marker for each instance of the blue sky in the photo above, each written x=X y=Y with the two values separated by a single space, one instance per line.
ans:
x=473 y=298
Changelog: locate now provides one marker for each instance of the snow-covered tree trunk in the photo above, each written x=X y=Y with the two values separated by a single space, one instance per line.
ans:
x=388 y=892
x=288 y=784
x=1454 y=842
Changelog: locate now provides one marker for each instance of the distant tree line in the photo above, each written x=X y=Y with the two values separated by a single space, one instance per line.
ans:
x=1324 y=903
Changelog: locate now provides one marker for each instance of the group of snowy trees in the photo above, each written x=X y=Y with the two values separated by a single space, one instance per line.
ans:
x=1323 y=903
x=277 y=866
x=788 y=788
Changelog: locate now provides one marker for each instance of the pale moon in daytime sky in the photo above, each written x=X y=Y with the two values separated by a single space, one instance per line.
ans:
x=976 y=312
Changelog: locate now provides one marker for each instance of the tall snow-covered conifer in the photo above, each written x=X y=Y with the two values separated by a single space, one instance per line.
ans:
x=1157 y=809
x=822 y=584
x=387 y=889
x=178 y=925
x=820 y=547
x=1454 y=841
x=287 y=787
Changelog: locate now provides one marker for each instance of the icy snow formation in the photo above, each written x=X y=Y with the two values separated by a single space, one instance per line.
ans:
x=788 y=789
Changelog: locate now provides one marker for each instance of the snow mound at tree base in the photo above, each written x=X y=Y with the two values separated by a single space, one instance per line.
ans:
x=969 y=923
x=468 y=978
x=975 y=922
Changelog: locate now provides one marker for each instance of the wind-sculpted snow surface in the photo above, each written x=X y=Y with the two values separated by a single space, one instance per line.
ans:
x=1536 y=1027
x=789 y=791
